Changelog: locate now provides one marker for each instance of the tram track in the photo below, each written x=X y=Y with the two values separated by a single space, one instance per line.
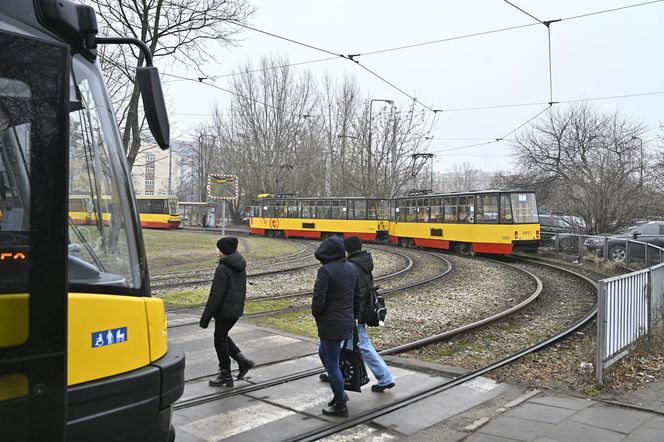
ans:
x=308 y=293
x=364 y=417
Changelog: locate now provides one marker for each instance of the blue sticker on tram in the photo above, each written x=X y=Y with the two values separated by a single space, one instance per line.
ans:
x=109 y=337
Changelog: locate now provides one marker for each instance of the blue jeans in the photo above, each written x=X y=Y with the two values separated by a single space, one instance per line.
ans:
x=329 y=351
x=371 y=357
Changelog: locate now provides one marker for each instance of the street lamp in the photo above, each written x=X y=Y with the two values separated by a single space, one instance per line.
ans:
x=634 y=137
x=391 y=103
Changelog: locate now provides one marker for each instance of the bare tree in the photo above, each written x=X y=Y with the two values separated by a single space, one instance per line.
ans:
x=592 y=161
x=179 y=31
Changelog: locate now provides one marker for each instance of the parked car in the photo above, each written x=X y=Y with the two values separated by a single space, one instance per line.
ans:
x=651 y=232
x=561 y=224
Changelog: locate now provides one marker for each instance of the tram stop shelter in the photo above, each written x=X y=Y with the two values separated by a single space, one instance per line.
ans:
x=197 y=214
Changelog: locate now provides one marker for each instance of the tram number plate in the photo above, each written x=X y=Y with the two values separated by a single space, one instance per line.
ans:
x=109 y=337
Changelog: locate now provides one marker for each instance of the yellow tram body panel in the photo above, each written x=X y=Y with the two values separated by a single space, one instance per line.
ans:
x=160 y=220
x=14 y=319
x=132 y=331
x=313 y=228
x=485 y=238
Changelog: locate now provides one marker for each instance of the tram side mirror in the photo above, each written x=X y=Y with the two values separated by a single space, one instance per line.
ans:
x=154 y=104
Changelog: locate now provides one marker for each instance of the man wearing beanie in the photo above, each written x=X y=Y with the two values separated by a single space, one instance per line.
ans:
x=226 y=304
x=363 y=262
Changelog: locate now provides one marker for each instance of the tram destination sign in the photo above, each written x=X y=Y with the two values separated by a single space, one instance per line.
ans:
x=222 y=187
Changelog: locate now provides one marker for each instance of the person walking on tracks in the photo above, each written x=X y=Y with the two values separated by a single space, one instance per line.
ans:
x=335 y=306
x=226 y=305
x=363 y=262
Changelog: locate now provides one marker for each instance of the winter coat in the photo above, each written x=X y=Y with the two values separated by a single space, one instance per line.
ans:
x=228 y=291
x=336 y=300
x=363 y=262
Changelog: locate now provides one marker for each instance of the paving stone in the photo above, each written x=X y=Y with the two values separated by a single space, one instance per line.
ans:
x=542 y=413
x=439 y=407
x=612 y=418
x=569 y=430
x=480 y=437
x=562 y=401
x=656 y=422
x=516 y=428
x=644 y=434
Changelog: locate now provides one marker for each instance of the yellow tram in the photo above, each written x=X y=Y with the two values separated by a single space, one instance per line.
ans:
x=320 y=217
x=158 y=212
x=494 y=222
x=83 y=346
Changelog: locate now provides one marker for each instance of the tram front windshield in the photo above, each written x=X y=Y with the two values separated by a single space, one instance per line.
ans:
x=103 y=249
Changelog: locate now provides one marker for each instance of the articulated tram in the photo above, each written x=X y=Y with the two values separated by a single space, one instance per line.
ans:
x=83 y=346
x=491 y=221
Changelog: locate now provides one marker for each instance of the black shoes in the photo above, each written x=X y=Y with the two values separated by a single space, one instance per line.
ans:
x=244 y=365
x=333 y=401
x=381 y=388
x=338 y=409
x=223 y=379
x=324 y=377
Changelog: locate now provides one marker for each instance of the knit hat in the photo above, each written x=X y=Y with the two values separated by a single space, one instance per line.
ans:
x=227 y=245
x=352 y=244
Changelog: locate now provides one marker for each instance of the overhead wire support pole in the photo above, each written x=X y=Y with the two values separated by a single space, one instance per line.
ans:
x=546 y=23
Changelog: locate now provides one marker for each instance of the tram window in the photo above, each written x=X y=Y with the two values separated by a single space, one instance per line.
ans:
x=436 y=207
x=374 y=209
x=357 y=209
x=487 y=209
x=524 y=208
x=323 y=209
x=382 y=209
x=466 y=209
x=293 y=209
x=450 y=209
x=400 y=210
x=281 y=209
x=308 y=209
x=423 y=210
x=505 y=209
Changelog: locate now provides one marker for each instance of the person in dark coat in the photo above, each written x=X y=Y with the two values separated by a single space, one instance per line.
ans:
x=335 y=306
x=226 y=305
x=363 y=262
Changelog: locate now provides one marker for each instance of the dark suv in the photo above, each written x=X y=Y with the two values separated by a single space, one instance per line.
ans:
x=560 y=224
x=650 y=232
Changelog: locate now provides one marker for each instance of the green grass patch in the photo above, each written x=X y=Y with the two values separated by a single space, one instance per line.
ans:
x=251 y=307
x=186 y=297
x=177 y=251
x=298 y=323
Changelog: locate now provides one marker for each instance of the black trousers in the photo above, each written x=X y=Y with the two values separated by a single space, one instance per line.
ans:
x=223 y=343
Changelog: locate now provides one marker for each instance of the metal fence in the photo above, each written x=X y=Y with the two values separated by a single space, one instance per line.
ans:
x=629 y=306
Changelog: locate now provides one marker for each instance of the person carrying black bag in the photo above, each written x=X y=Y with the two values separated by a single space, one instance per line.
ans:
x=363 y=262
x=336 y=306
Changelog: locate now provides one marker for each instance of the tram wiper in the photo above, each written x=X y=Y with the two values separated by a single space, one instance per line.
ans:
x=86 y=244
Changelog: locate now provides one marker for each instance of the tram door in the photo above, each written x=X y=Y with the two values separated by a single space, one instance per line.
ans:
x=34 y=93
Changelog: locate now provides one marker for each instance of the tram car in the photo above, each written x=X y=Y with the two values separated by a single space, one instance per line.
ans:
x=80 y=209
x=158 y=212
x=84 y=353
x=289 y=217
x=491 y=222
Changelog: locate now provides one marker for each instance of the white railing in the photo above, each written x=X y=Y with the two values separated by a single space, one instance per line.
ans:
x=629 y=306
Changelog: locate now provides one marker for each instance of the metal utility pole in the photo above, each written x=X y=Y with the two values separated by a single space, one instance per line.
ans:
x=634 y=137
x=370 y=181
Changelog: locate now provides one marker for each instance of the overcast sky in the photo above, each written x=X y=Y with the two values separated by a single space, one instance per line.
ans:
x=605 y=55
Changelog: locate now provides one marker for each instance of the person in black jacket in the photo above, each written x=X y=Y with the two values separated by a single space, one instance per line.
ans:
x=226 y=304
x=335 y=306
x=363 y=261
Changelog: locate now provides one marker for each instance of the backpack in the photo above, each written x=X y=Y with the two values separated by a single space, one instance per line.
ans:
x=376 y=310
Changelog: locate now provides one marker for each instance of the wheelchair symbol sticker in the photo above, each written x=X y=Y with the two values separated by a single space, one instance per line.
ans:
x=109 y=337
